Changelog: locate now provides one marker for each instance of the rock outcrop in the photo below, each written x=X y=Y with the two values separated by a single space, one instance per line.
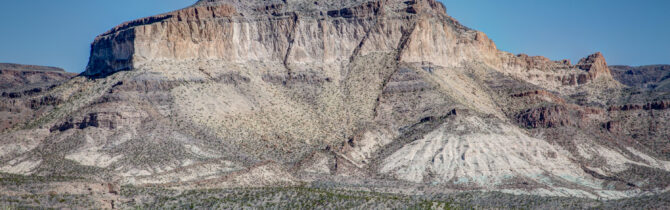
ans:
x=595 y=65
x=21 y=89
x=555 y=116
x=352 y=93
x=235 y=31
x=656 y=105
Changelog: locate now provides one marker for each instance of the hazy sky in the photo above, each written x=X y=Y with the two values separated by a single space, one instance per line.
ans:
x=59 y=32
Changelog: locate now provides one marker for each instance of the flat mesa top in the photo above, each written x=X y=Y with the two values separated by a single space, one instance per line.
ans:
x=307 y=6
x=22 y=67
x=334 y=3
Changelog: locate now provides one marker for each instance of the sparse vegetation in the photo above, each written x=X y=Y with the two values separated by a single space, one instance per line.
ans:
x=320 y=198
x=334 y=96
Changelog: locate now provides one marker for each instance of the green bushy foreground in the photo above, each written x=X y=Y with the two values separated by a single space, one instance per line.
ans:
x=311 y=198
x=30 y=192
x=315 y=198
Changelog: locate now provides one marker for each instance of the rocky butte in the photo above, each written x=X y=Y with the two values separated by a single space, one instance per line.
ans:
x=374 y=95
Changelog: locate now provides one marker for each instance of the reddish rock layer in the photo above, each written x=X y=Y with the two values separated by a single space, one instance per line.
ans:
x=656 y=105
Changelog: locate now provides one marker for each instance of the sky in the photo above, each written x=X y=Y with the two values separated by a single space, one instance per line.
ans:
x=59 y=33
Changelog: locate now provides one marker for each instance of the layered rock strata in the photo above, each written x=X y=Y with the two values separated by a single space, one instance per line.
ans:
x=366 y=93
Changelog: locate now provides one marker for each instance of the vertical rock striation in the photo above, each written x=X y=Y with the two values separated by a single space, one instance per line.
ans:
x=344 y=92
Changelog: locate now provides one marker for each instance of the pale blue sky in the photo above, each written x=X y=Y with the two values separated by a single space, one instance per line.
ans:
x=59 y=32
x=630 y=32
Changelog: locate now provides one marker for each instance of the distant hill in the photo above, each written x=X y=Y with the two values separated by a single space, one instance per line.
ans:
x=17 y=76
x=651 y=76
x=22 y=67
x=19 y=87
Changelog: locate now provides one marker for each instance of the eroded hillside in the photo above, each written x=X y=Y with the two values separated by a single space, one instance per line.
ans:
x=385 y=95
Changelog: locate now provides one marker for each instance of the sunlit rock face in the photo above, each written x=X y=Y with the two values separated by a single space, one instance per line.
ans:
x=229 y=93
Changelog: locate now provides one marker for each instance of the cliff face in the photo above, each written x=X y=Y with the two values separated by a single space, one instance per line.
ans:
x=359 y=92
x=316 y=33
x=269 y=31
